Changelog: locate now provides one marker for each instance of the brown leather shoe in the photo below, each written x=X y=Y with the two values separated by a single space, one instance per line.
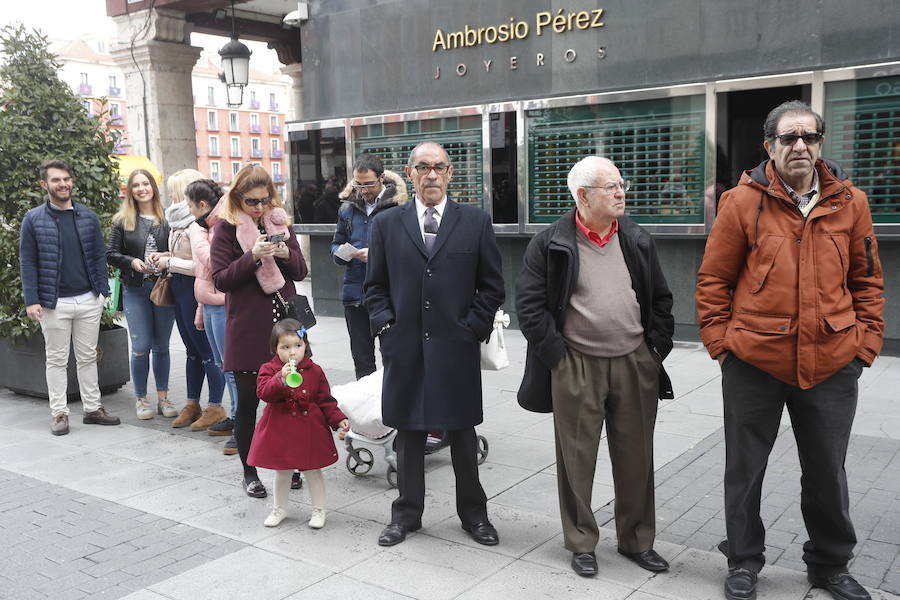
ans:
x=210 y=416
x=100 y=417
x=190 y=413
x=59 y=425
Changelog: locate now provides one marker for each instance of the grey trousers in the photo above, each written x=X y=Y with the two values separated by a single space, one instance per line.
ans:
x=622 y=392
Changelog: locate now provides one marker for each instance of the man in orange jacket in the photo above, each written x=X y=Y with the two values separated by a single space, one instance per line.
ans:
x=789 y=297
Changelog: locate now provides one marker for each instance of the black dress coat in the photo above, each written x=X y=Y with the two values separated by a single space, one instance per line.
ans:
x=440 y=308
x=545 y=286
x=248 y=310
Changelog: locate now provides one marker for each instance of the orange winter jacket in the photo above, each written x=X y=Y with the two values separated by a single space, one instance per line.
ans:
x=798 y=298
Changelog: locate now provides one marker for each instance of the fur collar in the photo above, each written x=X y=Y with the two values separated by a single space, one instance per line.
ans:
x=274 y=221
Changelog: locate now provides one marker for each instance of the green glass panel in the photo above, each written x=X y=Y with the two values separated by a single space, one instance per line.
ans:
x=657 y=144
x=862 y=133
x=460 y=137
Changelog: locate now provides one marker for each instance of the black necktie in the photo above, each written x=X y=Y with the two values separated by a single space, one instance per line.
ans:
x=431 y=228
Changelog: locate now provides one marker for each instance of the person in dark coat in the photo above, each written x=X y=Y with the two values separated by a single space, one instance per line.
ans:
x=250 y=270
x=294 y=431
x=372 y=191
x=433 y=285
x=596 y=311
x=326 y=207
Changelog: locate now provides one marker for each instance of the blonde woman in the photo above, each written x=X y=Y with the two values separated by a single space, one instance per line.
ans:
x=253 y=254
x=199 y=360
x=139 y=230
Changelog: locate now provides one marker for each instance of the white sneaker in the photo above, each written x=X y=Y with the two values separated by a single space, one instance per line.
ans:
x=275 y=517
x=317 y=520
x=167 y=408
x=142 y=408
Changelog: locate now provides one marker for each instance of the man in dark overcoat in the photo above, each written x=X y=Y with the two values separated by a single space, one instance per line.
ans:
x=433 y=285
x=594 y=305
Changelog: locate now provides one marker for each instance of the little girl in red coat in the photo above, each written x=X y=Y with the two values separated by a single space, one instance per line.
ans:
x=293 y=432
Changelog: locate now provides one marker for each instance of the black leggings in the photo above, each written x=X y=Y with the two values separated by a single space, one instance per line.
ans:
x=245 y=418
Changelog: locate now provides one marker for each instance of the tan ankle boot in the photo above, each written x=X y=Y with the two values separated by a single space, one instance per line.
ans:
x=211 y=415
x=190 y=413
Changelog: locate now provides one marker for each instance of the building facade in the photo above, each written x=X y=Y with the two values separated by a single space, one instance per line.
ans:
x=674 y=92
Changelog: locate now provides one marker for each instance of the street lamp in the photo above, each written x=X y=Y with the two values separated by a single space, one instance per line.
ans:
x=235 y=66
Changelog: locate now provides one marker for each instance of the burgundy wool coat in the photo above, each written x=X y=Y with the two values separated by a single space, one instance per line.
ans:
x=248 y=309
x=294 y=431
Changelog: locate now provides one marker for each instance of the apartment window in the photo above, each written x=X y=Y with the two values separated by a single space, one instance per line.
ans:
x=276 y=146
x=276 y=170
x=233 y=121
x=213 y=145
x=211 y=96
x=254 y=119
x=86 y=104
x=235 y=166
x=114 y=110
x=212 y=120
x=273 y=120
x=112 y=81
x=214 y=172
x=235 y=146
x=253 y=96
x=254 y=143
x=84 y=78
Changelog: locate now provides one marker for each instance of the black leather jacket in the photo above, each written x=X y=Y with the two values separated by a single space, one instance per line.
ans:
x=125 y=246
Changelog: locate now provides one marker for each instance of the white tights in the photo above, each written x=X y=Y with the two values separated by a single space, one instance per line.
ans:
x=314 y=482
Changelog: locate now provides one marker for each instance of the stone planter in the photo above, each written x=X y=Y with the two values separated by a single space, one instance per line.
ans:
x=22 y=365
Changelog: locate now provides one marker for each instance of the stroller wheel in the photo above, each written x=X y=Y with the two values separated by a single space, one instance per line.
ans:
x=391 y=476
x=360 y=462
x=482 y=450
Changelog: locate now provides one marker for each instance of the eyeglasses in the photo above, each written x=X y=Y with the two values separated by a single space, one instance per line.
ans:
x=789 y=139
x=439 y=168
x=365 y=186
x=257 y=201
x=610 y=188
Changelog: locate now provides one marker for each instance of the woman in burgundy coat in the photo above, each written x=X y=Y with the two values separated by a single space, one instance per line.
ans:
x=250 y=269
x=295 y=429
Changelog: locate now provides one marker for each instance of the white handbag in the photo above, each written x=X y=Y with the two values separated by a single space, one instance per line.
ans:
x=493 y=351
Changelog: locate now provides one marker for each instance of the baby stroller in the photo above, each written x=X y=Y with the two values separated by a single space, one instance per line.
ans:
x=361 y=402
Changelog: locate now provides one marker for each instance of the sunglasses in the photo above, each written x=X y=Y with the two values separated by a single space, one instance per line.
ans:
x=257 y=201
x=789 y=139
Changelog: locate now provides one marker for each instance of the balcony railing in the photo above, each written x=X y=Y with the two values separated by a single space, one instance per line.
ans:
x=199 y=151
x=212 y=126
x=255 y=128
x=214 y=152
x=254 y=105
x=85 y=89
x=235 y=153
x=233 y=127
x=277 y=153
x=274 y=129
x=278 y=178
x=273 y=106
x=256 y=153
x=114 y=91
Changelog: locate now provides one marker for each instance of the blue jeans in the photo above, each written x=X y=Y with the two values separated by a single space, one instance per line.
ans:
x=150 y=328
x=200 y=359
x=214 y=323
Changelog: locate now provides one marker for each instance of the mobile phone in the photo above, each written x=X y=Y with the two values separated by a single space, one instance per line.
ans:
x=276 y=238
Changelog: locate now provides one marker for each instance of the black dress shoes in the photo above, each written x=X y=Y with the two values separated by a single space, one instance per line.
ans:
x=393 y=534
x=584 y=564
x=648 y=559
x=740 y=584
x=483 y=533
x=842 y=586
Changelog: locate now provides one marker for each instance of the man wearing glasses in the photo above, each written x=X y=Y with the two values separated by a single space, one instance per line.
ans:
x=596 y=311
x=373 y=191
x=790 y=303
x=433 y=285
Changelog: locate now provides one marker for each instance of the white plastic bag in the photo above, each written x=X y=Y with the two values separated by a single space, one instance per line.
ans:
x=493 y=351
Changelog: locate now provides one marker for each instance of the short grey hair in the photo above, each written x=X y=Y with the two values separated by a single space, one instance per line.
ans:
x=409 y=162
x=584 y=173
x=770 y=127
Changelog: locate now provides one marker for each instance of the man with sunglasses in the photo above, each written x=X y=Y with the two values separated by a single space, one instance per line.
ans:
x=433 y=286
x=596 y=311
x=373 y=191
x=790 y=303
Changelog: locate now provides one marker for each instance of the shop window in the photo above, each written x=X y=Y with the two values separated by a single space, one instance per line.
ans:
x=461 y=137
x=657 y=144
x=318 y=174
x=862 y=134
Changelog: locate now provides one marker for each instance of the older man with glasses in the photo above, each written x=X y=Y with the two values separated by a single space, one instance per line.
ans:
x=594 y=306
x=373 y=190
x=790 y=302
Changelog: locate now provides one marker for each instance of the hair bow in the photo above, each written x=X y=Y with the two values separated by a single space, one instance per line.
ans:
x=301 y=332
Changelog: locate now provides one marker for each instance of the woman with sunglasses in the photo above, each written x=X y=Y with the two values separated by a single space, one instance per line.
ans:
x=139 y=230
x=254 y=257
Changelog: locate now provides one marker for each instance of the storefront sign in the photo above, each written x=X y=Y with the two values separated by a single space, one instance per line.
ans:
x=545 y=22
